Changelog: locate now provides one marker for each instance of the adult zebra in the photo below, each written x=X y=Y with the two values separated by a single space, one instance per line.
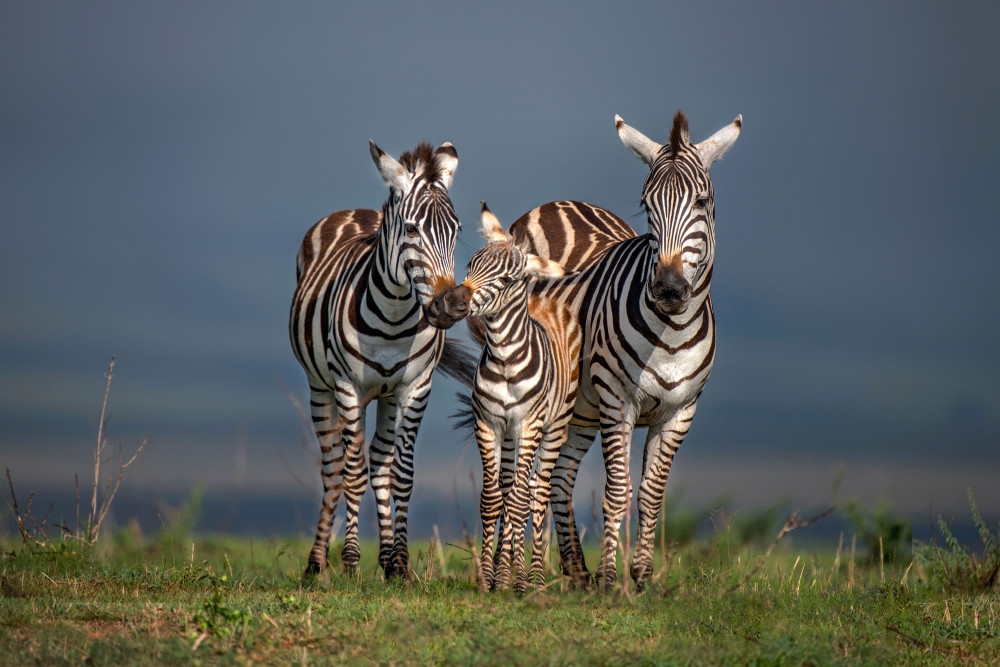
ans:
x=649 y=336
x=367 y=323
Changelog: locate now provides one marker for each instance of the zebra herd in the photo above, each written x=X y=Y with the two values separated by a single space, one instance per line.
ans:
x=586 y=328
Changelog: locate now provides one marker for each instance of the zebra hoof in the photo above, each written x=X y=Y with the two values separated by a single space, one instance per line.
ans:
x=313 y=570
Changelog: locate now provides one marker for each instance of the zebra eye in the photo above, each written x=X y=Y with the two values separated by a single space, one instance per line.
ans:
x=701 y=202
x=411 y=229
x=506 y=280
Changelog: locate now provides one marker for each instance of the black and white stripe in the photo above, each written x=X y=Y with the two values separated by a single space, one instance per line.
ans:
x=523 y=397
x=366 y=323
x=649 y=337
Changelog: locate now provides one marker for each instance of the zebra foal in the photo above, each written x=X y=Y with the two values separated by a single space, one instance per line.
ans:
x=367 y=323
x=523 y=397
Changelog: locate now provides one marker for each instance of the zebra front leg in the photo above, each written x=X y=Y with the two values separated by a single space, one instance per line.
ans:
x=502 y=557
x=578 y=441
x=328 y=433
x=661 y=445
x=352 y=416
x=616 y=445
x=542 y=492
x=490 y=501
x=380 y=472
x=412 y=404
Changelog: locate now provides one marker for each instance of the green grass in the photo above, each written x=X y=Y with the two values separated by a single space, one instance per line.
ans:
x=237 y=601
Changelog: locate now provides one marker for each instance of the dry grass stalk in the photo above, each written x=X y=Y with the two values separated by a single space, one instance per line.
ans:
x=98 y=512
x=792 y=523
x=881 y=559
x=850 y=566
x=836 y=560
x=440 y=551
x=30 y=535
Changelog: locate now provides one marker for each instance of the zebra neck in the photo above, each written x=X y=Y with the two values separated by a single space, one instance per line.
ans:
x=389 y=289
x=508 y=332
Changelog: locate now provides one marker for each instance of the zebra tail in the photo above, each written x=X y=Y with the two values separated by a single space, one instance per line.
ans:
x=463 y=420
x=477 y=328
x=458 y=363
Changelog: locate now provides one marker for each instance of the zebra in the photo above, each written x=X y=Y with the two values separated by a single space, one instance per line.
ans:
x=523 y=396
x=367 y=323
x=649 y=336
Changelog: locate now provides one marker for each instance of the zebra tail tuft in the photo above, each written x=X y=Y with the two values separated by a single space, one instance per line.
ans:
x=458 y=363
x=464 y=420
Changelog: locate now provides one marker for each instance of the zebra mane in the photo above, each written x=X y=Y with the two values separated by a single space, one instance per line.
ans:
x=421 y=163
x=680 y=132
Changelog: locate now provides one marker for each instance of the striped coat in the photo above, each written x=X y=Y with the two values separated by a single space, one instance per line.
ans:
x=649 y=336
x=367 y=323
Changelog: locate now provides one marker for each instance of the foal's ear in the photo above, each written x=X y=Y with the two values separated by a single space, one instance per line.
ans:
x=536 y=268
x=492 y=229
x=393 y=173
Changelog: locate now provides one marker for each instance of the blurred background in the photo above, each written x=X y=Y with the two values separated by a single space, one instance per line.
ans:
x=161 y=163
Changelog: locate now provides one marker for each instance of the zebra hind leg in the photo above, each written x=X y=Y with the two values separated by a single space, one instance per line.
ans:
x=567 y=466
x=328 y=433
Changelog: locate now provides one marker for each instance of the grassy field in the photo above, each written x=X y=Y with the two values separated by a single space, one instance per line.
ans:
x=207 y=600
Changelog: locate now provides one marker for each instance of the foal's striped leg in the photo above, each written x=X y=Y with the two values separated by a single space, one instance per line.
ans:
x=490 y=501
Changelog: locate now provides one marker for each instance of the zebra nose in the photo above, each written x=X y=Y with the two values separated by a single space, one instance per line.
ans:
x=670 y=290
x=448 y=307
x=456 y=301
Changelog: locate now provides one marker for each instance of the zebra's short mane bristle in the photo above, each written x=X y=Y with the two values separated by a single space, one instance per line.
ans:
x=679 y=133
x=421 y=163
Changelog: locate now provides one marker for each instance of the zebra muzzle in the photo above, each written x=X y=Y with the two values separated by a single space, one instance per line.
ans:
x=670 y=290
x=448 y=307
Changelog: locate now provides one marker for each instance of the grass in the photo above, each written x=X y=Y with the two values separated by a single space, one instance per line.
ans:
x=239 y=601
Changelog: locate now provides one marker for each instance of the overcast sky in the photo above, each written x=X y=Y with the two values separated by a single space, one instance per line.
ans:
x=161 y=163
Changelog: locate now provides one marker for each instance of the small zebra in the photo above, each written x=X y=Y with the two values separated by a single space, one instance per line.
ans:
x=367 y=323
x=649 y=336
x=523 y=396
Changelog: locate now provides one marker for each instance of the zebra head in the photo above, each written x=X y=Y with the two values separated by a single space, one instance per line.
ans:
x=499 y=272
x=680 y=208
x=420 y=226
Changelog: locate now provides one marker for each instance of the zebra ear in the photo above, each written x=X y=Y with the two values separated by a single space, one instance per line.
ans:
x=637 y=142
x=536 y=267
x=712 y=148
x=492 y=229
x=446 y=159
x=393 y=173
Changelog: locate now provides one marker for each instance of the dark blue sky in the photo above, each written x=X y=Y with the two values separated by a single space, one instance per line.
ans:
x=160 y=165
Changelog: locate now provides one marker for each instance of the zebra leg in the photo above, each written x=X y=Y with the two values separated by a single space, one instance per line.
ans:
x=490 y=501
x=328 y=433
x=542 y=492
x=661 y=445
x=505 y=527
x=521 y=497
x=616 y=444
x=380 y=473
x=411 y=410
x=578 y=441
x=352 y=414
